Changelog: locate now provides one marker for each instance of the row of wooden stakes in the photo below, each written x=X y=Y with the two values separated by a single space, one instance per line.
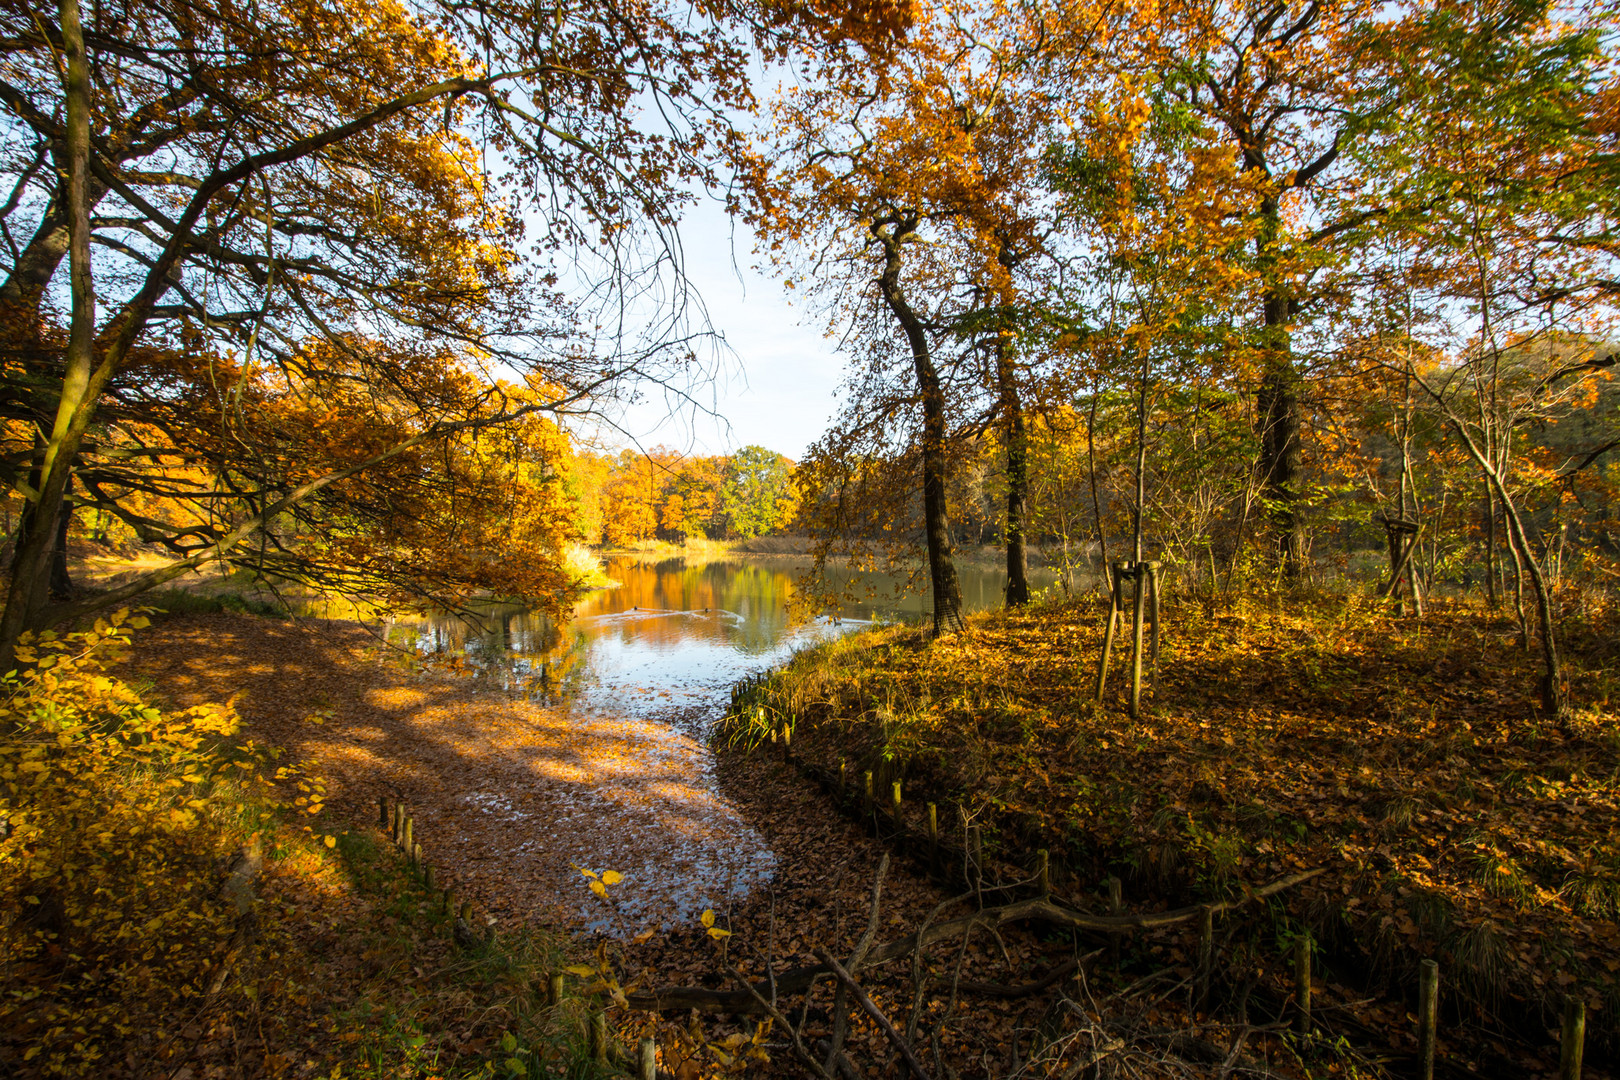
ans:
x=1573 y=1038
x=401 y=828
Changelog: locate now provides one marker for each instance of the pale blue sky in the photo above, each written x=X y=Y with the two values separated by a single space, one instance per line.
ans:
x=776 y=387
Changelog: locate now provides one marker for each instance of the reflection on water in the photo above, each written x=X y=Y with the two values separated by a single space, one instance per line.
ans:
x=675 y=635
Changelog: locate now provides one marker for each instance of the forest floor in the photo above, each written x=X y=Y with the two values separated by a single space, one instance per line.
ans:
x=1403 y=758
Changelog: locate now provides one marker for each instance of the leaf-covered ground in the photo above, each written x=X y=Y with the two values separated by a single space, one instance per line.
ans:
x=1405 y=756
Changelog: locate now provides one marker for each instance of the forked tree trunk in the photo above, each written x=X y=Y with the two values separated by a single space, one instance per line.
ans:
x=947 y=590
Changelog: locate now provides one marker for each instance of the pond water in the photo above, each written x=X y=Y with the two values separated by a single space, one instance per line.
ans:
x=631 y=688
x=676 y=634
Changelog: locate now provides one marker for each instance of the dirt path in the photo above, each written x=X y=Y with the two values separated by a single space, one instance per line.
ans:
x=509 y=796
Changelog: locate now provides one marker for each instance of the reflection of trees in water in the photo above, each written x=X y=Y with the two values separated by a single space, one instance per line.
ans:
x=517 y=647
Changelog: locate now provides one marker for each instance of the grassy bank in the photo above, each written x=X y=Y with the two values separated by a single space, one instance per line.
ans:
x=1405 y=757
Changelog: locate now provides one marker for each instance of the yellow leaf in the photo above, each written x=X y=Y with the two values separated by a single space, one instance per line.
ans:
x=717 y=933
x=581 y=970
x=708 y=917
x=331 y=841
x=644 y=937
x=598 y=888
x=612 y=877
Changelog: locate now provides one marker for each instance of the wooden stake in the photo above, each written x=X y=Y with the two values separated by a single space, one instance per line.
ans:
x=555 y=990
x=894 y=802
x=933 y=835
x=1043 y=872
x=1206 y=946
x=399 y=821
x=868 y=777
x=382 y=811
x=466 y=912
x=1116 y=906
x=1115 y=571
x=1302 y=982
x=1428 y=1013
x=405 y=840
x=416 y=857
x=599 y=1036
x=647 y=1060
x=1153 y=601
x=787 y=742
x=427 y=878
x=1573 y=1046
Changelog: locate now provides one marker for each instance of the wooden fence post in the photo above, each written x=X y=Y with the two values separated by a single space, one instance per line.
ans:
x=1302 y=982
x=599 y=1036
x=1428 y=1014
x=1573 y=1045
x=555 y=990
x=382 y=811
x=933 y=836
x=894 y=803
x=1116 y=907
x=647 y=1060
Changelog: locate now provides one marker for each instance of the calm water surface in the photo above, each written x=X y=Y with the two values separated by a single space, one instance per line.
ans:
x=675 y=635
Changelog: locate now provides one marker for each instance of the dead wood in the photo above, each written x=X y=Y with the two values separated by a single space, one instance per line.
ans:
x=798 y=979
x=871 y=1009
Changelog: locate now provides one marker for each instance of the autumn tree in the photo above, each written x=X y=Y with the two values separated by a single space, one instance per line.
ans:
x=278 y=186
x=1498 y=297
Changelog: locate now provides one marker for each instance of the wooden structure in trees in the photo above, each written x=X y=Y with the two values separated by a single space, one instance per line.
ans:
x=1144 y=578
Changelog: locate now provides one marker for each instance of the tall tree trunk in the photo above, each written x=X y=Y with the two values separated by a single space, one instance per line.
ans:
x=1277 y=402
x=947 y=590
x=81 y=385
x=1017 y=472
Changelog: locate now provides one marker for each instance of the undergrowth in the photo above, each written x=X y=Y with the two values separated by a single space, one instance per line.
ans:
x=1406 y=757
x=120 y=953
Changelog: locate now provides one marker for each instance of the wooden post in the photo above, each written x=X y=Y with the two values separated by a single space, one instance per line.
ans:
x=449 y=901
x=1206 y=950
x=555 y=990
x=599 y=1036
x=427 y=878
x=647 y=1060
x=1116 y=907
x=382 y=811
x=1302 y=982
x=1136 y=640
x=1115 y=572
x=405 y=840
x=1428 y=1013
x=399 y=821
x=416 y=857
x=867 y=805
x=1043 y=872
x=1153 y=611
x=933 y=835
x=1573 y=1046
x=787 y=742
x=894 y=803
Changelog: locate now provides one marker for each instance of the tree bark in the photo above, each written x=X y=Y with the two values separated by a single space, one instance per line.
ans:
x=892 y=232
x=1017 y=473
x=1278 y=408
x=30 y=578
